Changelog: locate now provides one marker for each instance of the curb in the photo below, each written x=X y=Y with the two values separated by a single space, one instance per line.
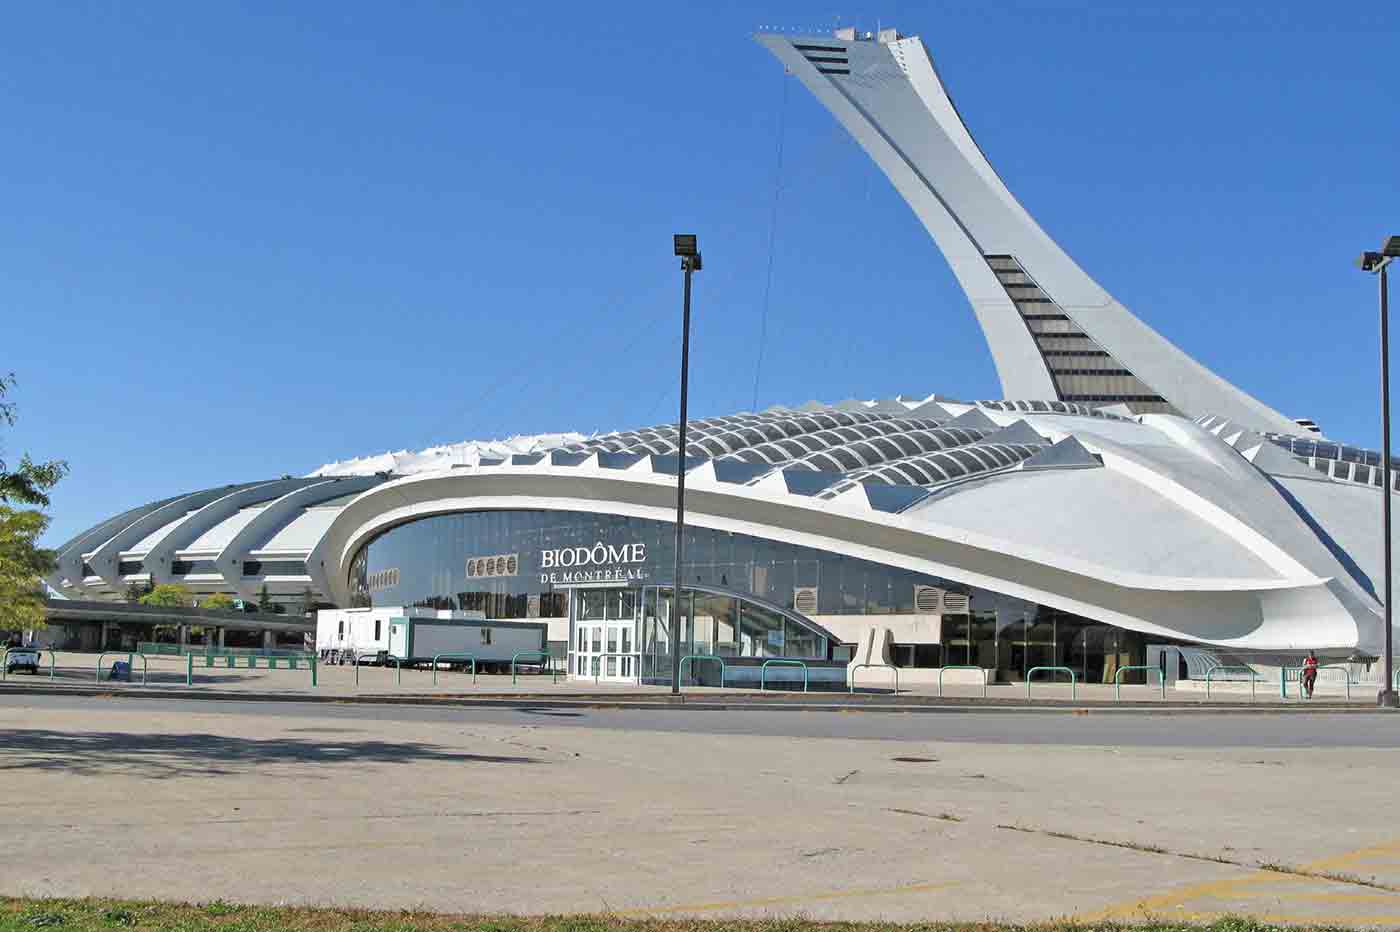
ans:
x=787 y=703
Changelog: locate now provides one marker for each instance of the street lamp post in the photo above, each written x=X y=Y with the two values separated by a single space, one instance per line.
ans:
x=1376 y=262
x=689 y=252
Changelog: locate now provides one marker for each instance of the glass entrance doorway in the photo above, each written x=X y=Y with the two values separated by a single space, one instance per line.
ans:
x=604 y=625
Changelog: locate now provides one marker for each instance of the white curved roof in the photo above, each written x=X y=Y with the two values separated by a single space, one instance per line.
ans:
x=147 y=542
x=302 y=533
x=1155 y=523
x=220 y=534
x=1047 y=511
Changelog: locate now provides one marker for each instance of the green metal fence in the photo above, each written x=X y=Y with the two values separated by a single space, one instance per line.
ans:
x=130 y=659
x=763 y=672
x=1146 y=668
x=694 y=657
x=1286 y=673
x=541 y=654
x=1073 y=680
x=162 y=649
x=398 y=665
x=862 y=666
x=1224 y=671
x=962 y=666
x=437 y=657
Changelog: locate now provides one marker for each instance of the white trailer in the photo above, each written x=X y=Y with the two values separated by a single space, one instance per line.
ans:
x=419 y=640
x=366 y=630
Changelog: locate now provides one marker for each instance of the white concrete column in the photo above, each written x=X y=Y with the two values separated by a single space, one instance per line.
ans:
x=269 y=640
x=221 y=638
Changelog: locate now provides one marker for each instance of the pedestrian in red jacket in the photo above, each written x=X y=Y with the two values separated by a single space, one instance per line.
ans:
x=1309 y=674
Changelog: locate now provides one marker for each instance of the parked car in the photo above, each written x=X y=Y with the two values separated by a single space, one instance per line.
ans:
x=22 y=658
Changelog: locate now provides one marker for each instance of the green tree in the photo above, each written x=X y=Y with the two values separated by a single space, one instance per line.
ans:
x=264 y=599
x=218 y=602
x=134 y=591
x=30 y=482
x=167 y=595
x=23 y=563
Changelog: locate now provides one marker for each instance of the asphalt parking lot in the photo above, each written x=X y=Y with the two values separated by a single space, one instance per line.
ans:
x=829 y=815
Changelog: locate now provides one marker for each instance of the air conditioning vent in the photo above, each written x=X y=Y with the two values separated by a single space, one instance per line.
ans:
x=928 y=600
x=955 y=603
x=804 y=599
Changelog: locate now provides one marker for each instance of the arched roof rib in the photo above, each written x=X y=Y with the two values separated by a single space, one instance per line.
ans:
x=935 y=468
x=772 y=438
x=839 y=455
x=1049 y=407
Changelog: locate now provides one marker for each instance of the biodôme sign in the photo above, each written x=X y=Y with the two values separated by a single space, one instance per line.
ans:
x=599 y=563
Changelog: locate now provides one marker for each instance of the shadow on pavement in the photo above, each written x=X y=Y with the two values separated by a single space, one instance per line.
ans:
x=193 y=754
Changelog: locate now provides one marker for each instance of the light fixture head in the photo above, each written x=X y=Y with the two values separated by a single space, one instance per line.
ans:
x=686 y=244
x=1368 y=261
x=1391 y=247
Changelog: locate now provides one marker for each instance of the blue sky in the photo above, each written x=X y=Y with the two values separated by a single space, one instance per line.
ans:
x=240 y=240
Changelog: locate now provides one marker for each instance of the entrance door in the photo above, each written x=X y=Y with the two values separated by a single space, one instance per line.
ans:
x=605 y=635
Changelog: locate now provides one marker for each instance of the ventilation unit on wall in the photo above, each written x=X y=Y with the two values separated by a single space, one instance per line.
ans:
x=928 y=600
x=955 y=603
x=804 y=600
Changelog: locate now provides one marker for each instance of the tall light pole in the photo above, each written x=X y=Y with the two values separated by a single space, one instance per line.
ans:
x=689 y=251
x=1376 y=262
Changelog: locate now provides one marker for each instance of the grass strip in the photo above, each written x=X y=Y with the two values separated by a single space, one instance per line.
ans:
x=21 y=914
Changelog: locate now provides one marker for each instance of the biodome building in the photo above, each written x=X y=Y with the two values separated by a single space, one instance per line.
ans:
x=1124 y=501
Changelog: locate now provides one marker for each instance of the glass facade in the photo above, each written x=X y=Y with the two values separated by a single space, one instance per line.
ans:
x=716 y=624
x=736 y=592
x=555 y=550
x=1024 y=635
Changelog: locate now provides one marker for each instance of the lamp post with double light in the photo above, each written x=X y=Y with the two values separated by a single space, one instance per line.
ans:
x=1376 y=262
x=689 y=252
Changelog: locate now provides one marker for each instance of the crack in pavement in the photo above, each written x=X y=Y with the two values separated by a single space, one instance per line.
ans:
x=1270 y=867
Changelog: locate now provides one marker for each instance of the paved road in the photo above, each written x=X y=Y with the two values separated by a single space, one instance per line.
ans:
x=831 y=815
x=1106 y=728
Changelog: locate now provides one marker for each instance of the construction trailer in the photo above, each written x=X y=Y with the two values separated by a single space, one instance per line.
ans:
x=417 y=635
x=419 y=640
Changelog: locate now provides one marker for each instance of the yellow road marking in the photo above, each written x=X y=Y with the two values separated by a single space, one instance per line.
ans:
x=1168 y=904
x=784 y=900
x=1331 y=897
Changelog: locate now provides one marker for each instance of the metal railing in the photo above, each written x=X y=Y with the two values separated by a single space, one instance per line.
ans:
x=1073 y=680
x=597 y=662
x=437 y=657
x=271 y=665
x=5 y=659
x=694 y=657
x=165 y=649
x=130 y=655
x=962 y=666
x=542 y=654
x=159 y=648
x=1253 y=677
x=1283 y=678
x=1146 y=668
x=398 y=665
x=888 y=666
x=763 y=672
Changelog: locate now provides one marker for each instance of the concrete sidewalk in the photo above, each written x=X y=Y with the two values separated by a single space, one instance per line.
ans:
x=128 y=800
x=387 y=684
